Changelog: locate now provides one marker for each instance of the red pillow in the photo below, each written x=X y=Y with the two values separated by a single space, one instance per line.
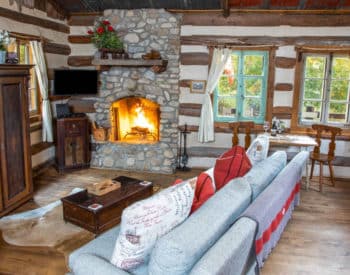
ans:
x=204 y=190
x=233 y=163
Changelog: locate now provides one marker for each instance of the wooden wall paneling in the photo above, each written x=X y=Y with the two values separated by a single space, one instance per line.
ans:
x=28 y=19
x=55 y=10
x=262 y=18
x=270 y=85
x=296 y=94
x=79 y=61
x=265 y=40
x=185 y=83
x=79 y=39
x=190 y=109
x=285 y=62
x=83 y=19
x=286 y=87
x=282 y=112
x=82 y=105
x=194 y=58
x=50 y=47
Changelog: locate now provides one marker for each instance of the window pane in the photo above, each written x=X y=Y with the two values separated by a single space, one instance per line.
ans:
x=315 y=67
x=339 y=90
x=227 y=107
x=337 y=112
x=313 y=88
x=234 y=64
x=341 y=68
x=251 y=107
x=227 y=86
x=253 y=65
x=22 y=54
x=311 y=111
x=253 y=87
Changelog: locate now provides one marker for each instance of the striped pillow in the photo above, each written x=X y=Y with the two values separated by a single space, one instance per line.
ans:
x=233 y=163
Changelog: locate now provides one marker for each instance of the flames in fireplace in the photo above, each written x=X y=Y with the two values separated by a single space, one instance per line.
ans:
x=134 y=119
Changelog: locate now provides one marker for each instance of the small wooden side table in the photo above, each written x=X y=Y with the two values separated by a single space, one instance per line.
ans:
x=76 y=206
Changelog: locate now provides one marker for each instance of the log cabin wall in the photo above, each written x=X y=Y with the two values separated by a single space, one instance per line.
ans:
x=39 y=24
x=285 y=32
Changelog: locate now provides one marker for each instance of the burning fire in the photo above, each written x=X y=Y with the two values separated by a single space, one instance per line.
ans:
x=141 y=120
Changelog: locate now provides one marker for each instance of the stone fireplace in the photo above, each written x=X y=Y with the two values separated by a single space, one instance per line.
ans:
x=137 y=105
x=134 y=119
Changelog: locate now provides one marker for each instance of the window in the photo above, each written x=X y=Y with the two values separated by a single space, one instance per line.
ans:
x=24 y=55
x=242 y=88
x=325 y=87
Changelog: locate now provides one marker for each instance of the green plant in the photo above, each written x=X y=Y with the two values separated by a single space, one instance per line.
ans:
x=4 y=40
x=104 y=36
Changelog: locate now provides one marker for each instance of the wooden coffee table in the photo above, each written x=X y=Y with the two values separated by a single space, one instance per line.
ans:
x=76 y=206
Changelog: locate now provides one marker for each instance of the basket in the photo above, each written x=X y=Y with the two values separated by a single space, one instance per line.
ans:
x=99 y=133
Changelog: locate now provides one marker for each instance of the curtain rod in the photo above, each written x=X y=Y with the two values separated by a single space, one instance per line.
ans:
x=234 y=46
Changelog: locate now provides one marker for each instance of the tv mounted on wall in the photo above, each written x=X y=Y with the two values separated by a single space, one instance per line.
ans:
x=75 y=82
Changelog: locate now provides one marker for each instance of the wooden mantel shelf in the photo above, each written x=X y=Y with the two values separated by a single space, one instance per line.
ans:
x=158 y=65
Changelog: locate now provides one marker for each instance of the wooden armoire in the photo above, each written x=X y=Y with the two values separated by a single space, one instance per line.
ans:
x=15 y=157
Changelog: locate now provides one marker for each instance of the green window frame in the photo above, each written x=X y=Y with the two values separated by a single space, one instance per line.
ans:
x=242 y=88
x=325 y=89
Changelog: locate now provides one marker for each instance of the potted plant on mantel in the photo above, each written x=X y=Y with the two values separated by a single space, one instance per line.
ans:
x=106 y=40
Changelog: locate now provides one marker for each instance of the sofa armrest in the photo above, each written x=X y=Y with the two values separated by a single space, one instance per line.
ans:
x=89 y=264
x=232 y=253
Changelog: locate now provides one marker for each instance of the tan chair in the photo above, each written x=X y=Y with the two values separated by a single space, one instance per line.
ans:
x=247 y=126
x=316 y=155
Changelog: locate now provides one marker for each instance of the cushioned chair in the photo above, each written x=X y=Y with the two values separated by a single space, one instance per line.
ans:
x=247 y=126
x=316 y=155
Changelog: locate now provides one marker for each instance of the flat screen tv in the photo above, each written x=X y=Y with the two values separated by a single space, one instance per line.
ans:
x=75 y=82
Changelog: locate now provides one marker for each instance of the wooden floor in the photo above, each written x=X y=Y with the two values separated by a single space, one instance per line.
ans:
x=316 y=240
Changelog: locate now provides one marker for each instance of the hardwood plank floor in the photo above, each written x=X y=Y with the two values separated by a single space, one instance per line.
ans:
x=316 y=240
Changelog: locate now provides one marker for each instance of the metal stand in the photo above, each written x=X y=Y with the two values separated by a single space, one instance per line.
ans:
x=182 y=158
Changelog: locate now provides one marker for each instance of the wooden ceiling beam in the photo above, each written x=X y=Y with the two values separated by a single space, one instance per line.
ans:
x=28 y=19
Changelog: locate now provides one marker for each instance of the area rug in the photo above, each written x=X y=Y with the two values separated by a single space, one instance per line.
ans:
x=40 y=227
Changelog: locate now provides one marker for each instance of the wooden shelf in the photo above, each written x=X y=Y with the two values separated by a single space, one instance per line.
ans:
x=158 y=65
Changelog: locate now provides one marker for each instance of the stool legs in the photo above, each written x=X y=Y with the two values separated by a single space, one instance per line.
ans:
x=321 y=177
x=331 y=173
x=312 y=168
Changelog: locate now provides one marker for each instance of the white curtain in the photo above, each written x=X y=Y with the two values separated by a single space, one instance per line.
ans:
x=206 y=124
x=41 y=73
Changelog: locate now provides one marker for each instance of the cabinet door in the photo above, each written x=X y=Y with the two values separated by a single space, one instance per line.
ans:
x=15 y=162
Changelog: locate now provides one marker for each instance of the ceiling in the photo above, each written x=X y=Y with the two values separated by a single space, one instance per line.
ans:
x=72 y=6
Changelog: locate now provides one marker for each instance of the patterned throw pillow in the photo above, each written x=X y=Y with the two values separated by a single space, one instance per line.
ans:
x=205 y=188
x=258 y=150
x=145 y=221
x=233 y=163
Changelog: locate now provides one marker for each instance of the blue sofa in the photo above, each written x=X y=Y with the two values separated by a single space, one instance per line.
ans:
x=221 y=236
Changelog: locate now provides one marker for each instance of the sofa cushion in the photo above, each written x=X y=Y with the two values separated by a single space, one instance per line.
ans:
x=233 y=163
x=176 y=252
x=145 y=221
x=265 y=171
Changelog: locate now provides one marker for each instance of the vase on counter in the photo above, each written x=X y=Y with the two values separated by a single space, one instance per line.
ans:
x=2 y=57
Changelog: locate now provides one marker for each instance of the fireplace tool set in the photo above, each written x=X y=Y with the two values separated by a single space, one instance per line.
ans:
x=182 y=157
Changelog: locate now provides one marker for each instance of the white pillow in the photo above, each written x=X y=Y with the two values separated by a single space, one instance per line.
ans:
x=145 y=221
x=258 y=149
